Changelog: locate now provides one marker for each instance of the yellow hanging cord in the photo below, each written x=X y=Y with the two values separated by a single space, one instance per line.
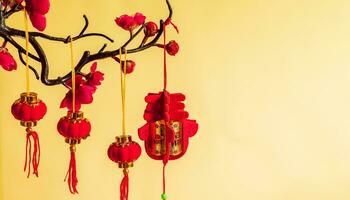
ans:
x=123 y=86
x=27 y=50
x=73 y=74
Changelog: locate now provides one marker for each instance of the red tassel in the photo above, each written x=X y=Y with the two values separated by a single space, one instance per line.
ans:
x=72 y=172
x=34 y=158
x=124 y=186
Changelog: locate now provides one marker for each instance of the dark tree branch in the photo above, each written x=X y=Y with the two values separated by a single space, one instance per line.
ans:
x=13 y=10
x=30 y=67
x=7 y=33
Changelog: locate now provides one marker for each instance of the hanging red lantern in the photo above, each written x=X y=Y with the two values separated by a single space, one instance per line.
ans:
x=74 y=127
x=29 y=110
x=124 y=151
x=168 y=128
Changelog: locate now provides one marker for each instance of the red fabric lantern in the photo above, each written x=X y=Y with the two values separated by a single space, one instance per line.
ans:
x=124 y=151
x=167 y=130
x=29 y=110
x=73 y=127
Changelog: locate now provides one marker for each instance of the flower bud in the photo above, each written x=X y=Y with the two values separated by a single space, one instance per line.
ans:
x=151 y=29
x=172 y=48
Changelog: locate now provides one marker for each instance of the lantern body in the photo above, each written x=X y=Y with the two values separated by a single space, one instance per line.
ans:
x=124 y=151
x=28 y=109
x=167 y=125
x=74 y=126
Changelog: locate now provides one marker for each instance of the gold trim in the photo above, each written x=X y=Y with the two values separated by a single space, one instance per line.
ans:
x=31 y=98
x=28 y=124
x=125 y=165
x=72 y=141
x=123 y=139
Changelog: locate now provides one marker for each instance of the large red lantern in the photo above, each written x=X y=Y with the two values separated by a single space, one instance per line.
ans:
x=168 y=128
x=73 y=127
x=29 y=110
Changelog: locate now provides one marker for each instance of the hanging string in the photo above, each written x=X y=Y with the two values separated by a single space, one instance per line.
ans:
x=73 y=74
x=27 y=51
x=166 y=23
x=166 y=125
x=123 y=87
x=164 y=56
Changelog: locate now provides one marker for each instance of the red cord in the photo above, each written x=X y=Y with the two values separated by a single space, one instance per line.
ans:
x=166 y=23
x=72 y=173
x=164 y=56
x=32 y=159
x=124 y=187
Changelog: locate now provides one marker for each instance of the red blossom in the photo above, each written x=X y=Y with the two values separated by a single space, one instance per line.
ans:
x=37 y=9
x=6 y=60
x=129 y=23
x=95 y=77
x=151 y=29
x=139 y=18
x=84 y=89
x=172 y=48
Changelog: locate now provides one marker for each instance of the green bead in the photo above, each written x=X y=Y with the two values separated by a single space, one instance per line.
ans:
x=164 y=197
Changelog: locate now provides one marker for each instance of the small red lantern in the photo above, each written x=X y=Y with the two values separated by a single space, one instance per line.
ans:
x=73 y=127
x=167 y=130
x=29 y=110
x=124 y=151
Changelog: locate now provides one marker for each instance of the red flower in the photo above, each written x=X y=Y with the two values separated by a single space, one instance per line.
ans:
x=37 y=9
x=96 y=77
x=172 y=48
x=139 y=18
x=129 y=23
x=151 y=29
x=6 y=60
x=130 y=66
x=84 y=89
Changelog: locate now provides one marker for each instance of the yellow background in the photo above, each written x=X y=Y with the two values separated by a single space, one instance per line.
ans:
x=267 y=80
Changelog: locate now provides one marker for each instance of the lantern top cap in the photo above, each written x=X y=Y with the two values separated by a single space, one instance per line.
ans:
x=29 y=97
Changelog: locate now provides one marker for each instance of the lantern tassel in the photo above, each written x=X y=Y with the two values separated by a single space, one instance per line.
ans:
x=72 y=172
x=124 y=186
x=32 y=158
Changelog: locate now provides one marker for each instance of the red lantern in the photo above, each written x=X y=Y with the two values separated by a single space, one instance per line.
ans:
x=167 y=130
x=29 y=110
x=73 y=127
x=124 y=152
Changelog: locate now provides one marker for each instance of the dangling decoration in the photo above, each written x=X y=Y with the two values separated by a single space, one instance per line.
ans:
x=167 y=130
x=124 y=151
x=29 y=109
x=74 y=127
